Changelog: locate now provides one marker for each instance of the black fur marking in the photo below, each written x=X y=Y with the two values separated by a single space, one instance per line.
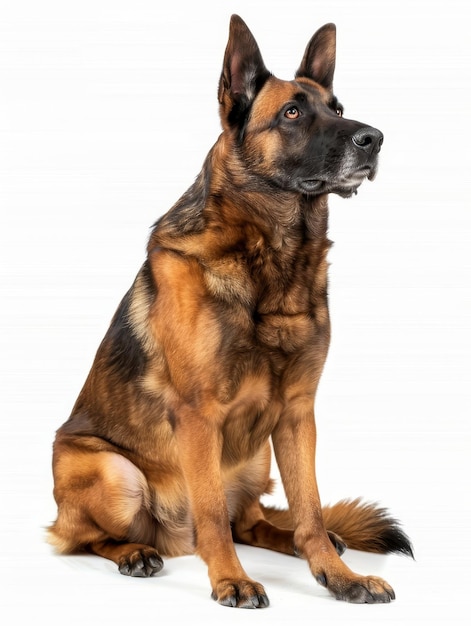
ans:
x=148 y=277
x=336 y=106
x=124 y=351
x=186 y=215
x=395 y=540
x=239 y=114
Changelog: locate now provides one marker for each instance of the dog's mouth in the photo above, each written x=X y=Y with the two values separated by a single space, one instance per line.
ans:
x=312 y=185
x=345 y=186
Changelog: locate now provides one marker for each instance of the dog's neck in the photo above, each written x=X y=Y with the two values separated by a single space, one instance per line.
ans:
x=224 y=210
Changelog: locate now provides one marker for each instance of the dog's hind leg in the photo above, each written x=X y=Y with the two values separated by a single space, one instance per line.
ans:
x=253 y=528
x=103 y=508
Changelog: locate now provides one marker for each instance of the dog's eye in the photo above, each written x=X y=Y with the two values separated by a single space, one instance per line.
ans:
x=339 y=111
x=292 y=113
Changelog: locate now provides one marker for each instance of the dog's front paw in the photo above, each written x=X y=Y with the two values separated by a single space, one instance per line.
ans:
x=361 y=590
x=243 y=594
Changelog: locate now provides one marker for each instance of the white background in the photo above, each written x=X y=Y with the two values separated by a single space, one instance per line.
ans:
x=107 y=110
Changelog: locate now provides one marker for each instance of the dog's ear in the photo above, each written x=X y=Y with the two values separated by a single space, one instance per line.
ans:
x=319 y=58
x=243 y=73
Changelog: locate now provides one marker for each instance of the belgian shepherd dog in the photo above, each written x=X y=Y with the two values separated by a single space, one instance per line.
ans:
x=217 y=349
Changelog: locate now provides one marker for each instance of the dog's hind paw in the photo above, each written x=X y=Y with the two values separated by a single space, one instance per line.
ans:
x=141 y=563
x=338 y=543
x=243 y=594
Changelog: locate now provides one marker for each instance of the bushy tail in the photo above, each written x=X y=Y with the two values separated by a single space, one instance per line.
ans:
x=361 y=526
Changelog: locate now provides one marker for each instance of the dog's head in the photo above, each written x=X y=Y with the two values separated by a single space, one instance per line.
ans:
x=293 y=133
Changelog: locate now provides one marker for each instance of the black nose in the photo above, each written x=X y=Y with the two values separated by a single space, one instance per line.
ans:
x=368 y=139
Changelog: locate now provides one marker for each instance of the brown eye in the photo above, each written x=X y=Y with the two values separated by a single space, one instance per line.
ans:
x=292 y=113
x=339 y=111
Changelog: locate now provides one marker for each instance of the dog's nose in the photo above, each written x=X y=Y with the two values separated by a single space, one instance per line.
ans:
x=368 y=139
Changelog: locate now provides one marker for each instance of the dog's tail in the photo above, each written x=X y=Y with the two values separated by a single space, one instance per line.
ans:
x=361 y=526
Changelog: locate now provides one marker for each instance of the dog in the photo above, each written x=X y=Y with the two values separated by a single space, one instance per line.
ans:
x=217 y=349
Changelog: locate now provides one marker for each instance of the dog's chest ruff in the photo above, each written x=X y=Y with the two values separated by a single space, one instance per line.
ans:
x=282 y=296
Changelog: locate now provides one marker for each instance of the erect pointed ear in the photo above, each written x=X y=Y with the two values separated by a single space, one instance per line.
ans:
x=319 y=58
x=243 y=73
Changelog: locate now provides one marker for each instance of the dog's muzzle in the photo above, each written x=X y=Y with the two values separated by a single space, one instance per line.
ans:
x=351 y=158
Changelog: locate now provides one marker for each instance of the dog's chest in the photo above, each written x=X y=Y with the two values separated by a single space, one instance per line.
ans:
x=286 y=295
x=287 y=333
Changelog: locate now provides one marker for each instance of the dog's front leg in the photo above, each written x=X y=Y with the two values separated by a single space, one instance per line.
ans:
x=294 y=441
x=199 y=443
